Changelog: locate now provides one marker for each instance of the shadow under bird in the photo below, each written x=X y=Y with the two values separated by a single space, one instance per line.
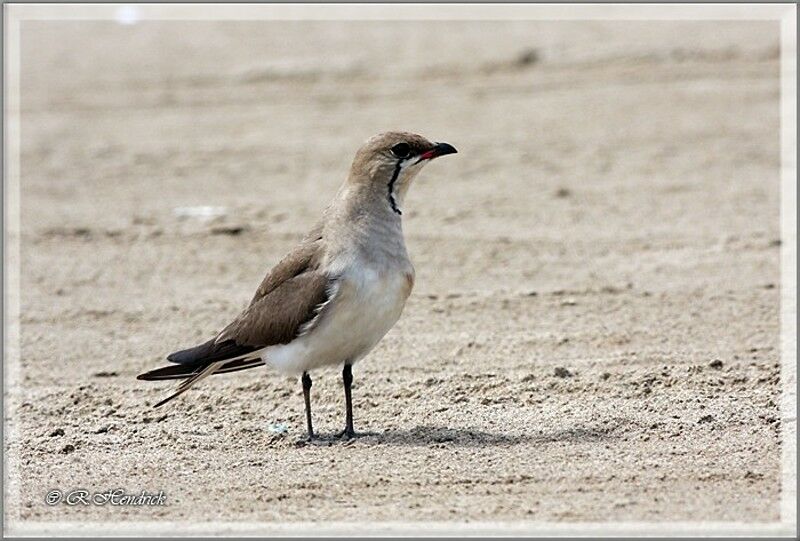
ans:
x=332 y=298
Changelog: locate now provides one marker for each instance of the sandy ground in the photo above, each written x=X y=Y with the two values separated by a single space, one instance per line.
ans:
x=593 y=334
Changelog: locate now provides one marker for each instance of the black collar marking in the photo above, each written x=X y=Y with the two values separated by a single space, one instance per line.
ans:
x=392 y=202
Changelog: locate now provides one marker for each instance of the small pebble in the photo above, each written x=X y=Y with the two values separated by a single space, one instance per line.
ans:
x=278 y=428
x=561 y=372
x=228 y=230
x=528 y=57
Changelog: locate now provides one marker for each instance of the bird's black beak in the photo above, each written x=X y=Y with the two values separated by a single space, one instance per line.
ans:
x=439 y=149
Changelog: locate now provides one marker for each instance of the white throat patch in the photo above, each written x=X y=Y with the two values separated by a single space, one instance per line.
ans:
x=404 y=168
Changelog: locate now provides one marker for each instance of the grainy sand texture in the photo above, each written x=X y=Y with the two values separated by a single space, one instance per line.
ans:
x=594 y=330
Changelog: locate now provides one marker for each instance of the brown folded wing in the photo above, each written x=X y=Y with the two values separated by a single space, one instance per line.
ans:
x=289 y=297
x=277 y=316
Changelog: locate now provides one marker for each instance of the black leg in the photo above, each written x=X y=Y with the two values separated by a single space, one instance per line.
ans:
x=306 y=379
x=347 y=378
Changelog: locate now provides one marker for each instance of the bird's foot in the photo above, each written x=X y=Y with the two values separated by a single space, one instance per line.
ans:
x=347 y=434
x=316 y=441
x=311 y=439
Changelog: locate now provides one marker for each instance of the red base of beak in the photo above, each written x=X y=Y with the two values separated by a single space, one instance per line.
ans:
x=439 y=150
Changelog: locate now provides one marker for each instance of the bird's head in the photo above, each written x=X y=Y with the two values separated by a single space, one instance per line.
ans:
x=388 y=162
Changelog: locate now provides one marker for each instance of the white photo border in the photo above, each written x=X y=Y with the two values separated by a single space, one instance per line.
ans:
x=786 y=14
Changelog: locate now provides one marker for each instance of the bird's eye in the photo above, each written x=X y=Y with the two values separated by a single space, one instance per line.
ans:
x=401 y=150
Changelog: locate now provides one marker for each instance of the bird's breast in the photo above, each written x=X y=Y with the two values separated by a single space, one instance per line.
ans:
x=378 y=293
x=369 y=302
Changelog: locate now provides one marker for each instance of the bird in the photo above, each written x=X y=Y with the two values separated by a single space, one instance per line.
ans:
x=334 y=296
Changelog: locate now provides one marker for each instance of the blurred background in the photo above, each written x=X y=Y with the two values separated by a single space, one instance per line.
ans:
x=595 y=316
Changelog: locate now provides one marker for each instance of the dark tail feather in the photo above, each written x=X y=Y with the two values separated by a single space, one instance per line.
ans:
x=210 y=351
x=183 y=387
x=179 y=371
x=191 y=355
x=182 y=371
x=170 y=397
x=241 y=364
x=195 y=372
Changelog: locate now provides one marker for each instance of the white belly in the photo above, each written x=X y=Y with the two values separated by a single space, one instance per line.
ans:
x=366 y=305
